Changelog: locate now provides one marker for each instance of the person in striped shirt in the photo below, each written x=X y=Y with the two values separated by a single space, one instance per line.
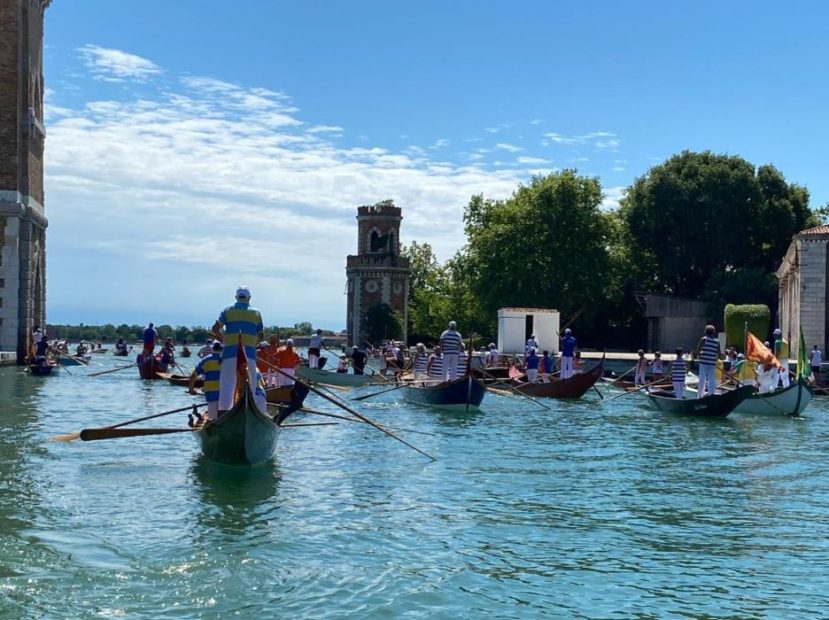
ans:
x=209 y=367
x=434 y=367
x=679 y=368
x=235 y=322
x=451 y=343
x=420 y=363
x=707 y=353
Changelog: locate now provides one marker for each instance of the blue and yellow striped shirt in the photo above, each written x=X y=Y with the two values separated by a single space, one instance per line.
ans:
x=211 y=368
x=237 y=319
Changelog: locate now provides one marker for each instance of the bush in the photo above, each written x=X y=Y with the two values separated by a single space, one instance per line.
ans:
x=758 y=317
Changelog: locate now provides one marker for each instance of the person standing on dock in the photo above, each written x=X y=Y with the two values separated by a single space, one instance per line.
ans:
x=239 y=321
x=815 y=360
x=568 y=351
x=707 y=353
x=451 y=343
x=209 y=367
x=314 y=346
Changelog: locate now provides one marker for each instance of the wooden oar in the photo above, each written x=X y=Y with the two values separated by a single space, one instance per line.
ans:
x=77 y=434
x=353 y=412
x=105 y=372
x=342 y=417
x=94 y=434
x=519 y=392
x=307 y=424
x=641 y=387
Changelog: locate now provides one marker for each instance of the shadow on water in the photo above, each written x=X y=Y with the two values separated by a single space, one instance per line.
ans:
x=235 y=498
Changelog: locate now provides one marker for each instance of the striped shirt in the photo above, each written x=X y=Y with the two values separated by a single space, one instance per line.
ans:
x=421 y=360
x=210 y=367
x=679 y=368
x=709 y=351
x=451 y=342
x=657 y=366
x=436 y=366
x=237 y=319
x=462 y=357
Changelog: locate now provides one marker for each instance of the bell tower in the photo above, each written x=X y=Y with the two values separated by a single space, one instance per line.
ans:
x=378 y=273
x=22 y=134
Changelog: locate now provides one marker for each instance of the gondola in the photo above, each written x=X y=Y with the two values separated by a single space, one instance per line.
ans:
x=148 y=366
x=711 y=406
x=185 y=351
x=74 y=360
x=245 y=435
x=466 y=392
x=41 y=370
x=121 y=352
x=180 y=380
x=790 y=400
x=572 y=387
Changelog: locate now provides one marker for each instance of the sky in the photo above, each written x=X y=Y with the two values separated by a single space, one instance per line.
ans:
x=195 y=146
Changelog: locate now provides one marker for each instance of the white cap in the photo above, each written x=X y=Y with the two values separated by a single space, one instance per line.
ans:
x=243 y=291
x=777 y=332
x=289 y=342
x=452 y=325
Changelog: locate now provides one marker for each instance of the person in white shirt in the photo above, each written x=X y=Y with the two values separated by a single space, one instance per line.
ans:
x=815 y=360
x=314 y=346
x=493 y=356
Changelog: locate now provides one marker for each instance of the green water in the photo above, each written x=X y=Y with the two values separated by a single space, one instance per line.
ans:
x=593 y=510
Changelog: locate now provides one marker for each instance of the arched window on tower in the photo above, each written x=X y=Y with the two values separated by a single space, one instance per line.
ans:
x=378 y=243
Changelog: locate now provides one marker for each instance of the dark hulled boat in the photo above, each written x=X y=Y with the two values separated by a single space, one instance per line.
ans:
x=148 y=366
x=462 y=393
x=180 y=380
x=572 y=387
x=711 y=406
x=41 y=370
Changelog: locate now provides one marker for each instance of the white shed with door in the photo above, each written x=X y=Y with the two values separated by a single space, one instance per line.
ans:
x=516 y=325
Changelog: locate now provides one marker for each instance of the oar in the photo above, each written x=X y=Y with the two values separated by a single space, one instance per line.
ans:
x=342 y=417
x=519 y=392
x=105 y=372
x=641 y=387
x=94 y=434
x=353 y=412
x=307 y=424
x=77 y=435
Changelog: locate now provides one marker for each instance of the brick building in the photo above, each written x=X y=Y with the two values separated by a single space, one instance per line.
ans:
x=377 y=274
x=803 y=289
x=22 y=219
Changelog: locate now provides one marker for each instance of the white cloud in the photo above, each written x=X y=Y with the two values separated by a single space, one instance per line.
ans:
x=612 y=196
x=504 y=146
x=598 y=139
x=115 y=65
x=532 y=160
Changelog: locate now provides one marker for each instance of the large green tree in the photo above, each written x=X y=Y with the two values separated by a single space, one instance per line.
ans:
x=547 y=246
x=700 y=223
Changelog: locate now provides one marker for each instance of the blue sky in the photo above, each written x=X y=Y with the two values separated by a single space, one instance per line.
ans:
x=195 y=146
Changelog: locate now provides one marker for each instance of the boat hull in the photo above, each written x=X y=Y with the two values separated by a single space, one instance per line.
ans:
x=39 y=370
x=242 y=436
x=460 y=394
x=712 y=406
x=325 y=377
x=573 y=387
x=788 y=401
x=65 y=360
x=180 y=380
x=148 y=367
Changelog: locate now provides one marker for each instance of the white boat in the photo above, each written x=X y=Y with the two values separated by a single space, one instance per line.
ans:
x=337 y=379
x=785 y=401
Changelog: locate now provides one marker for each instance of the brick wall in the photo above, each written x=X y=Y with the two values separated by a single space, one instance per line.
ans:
x=9 y=90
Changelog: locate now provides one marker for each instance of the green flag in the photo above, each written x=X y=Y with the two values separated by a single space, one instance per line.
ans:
x=804 y=369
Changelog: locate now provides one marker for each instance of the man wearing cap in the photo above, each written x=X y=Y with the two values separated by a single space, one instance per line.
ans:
x=358 y=360
x=781 y=352
x=707 y=354
x=568 y=352
x=314 y=346
x=287 y=359
x=210 y=367
x=238 y=321
x=450 y=343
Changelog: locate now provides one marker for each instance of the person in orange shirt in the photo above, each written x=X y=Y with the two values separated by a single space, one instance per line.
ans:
x=287 y=359
x=266 y=360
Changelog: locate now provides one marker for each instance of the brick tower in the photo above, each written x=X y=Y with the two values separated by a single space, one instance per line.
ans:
x=378 y=274
x=22 y=219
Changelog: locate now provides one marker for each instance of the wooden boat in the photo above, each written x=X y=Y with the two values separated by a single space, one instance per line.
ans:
x=245 y=435
x=101 y=350
x=148 y=366
x=41 y=370
x=573 y=387
x=463 y=393
x=337 y=379
x=185 y=352
x=181 y=380
x=791 y=400
x=711 y=406
x=121 y=352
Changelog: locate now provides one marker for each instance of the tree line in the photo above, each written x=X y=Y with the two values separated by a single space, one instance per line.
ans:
x=700 y=225
x=179 y=334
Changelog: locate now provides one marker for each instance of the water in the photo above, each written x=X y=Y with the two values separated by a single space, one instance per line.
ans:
x=593 y=510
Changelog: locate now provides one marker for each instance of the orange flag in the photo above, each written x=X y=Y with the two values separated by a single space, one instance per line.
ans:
x=757 y=351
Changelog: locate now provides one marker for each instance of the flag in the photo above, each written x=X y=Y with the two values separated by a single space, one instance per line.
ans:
x=804 y=369
x=757 y=351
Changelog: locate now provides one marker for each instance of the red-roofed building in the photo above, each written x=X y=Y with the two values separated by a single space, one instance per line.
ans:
x=803 y=289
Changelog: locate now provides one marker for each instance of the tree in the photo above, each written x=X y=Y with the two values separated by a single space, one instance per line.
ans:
x=381 y=322
x=547 y=246
x=701 y=215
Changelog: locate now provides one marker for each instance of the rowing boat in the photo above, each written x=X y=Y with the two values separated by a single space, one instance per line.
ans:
x=791 y=400
x=41 y=370
x=337 y=379
x=148 y=366
x=74 y=360
x=572 y=387
x=181 y=380
x=463 y=393
x=711 y=406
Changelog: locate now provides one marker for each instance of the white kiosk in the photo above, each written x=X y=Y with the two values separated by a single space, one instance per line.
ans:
x=516 y=325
